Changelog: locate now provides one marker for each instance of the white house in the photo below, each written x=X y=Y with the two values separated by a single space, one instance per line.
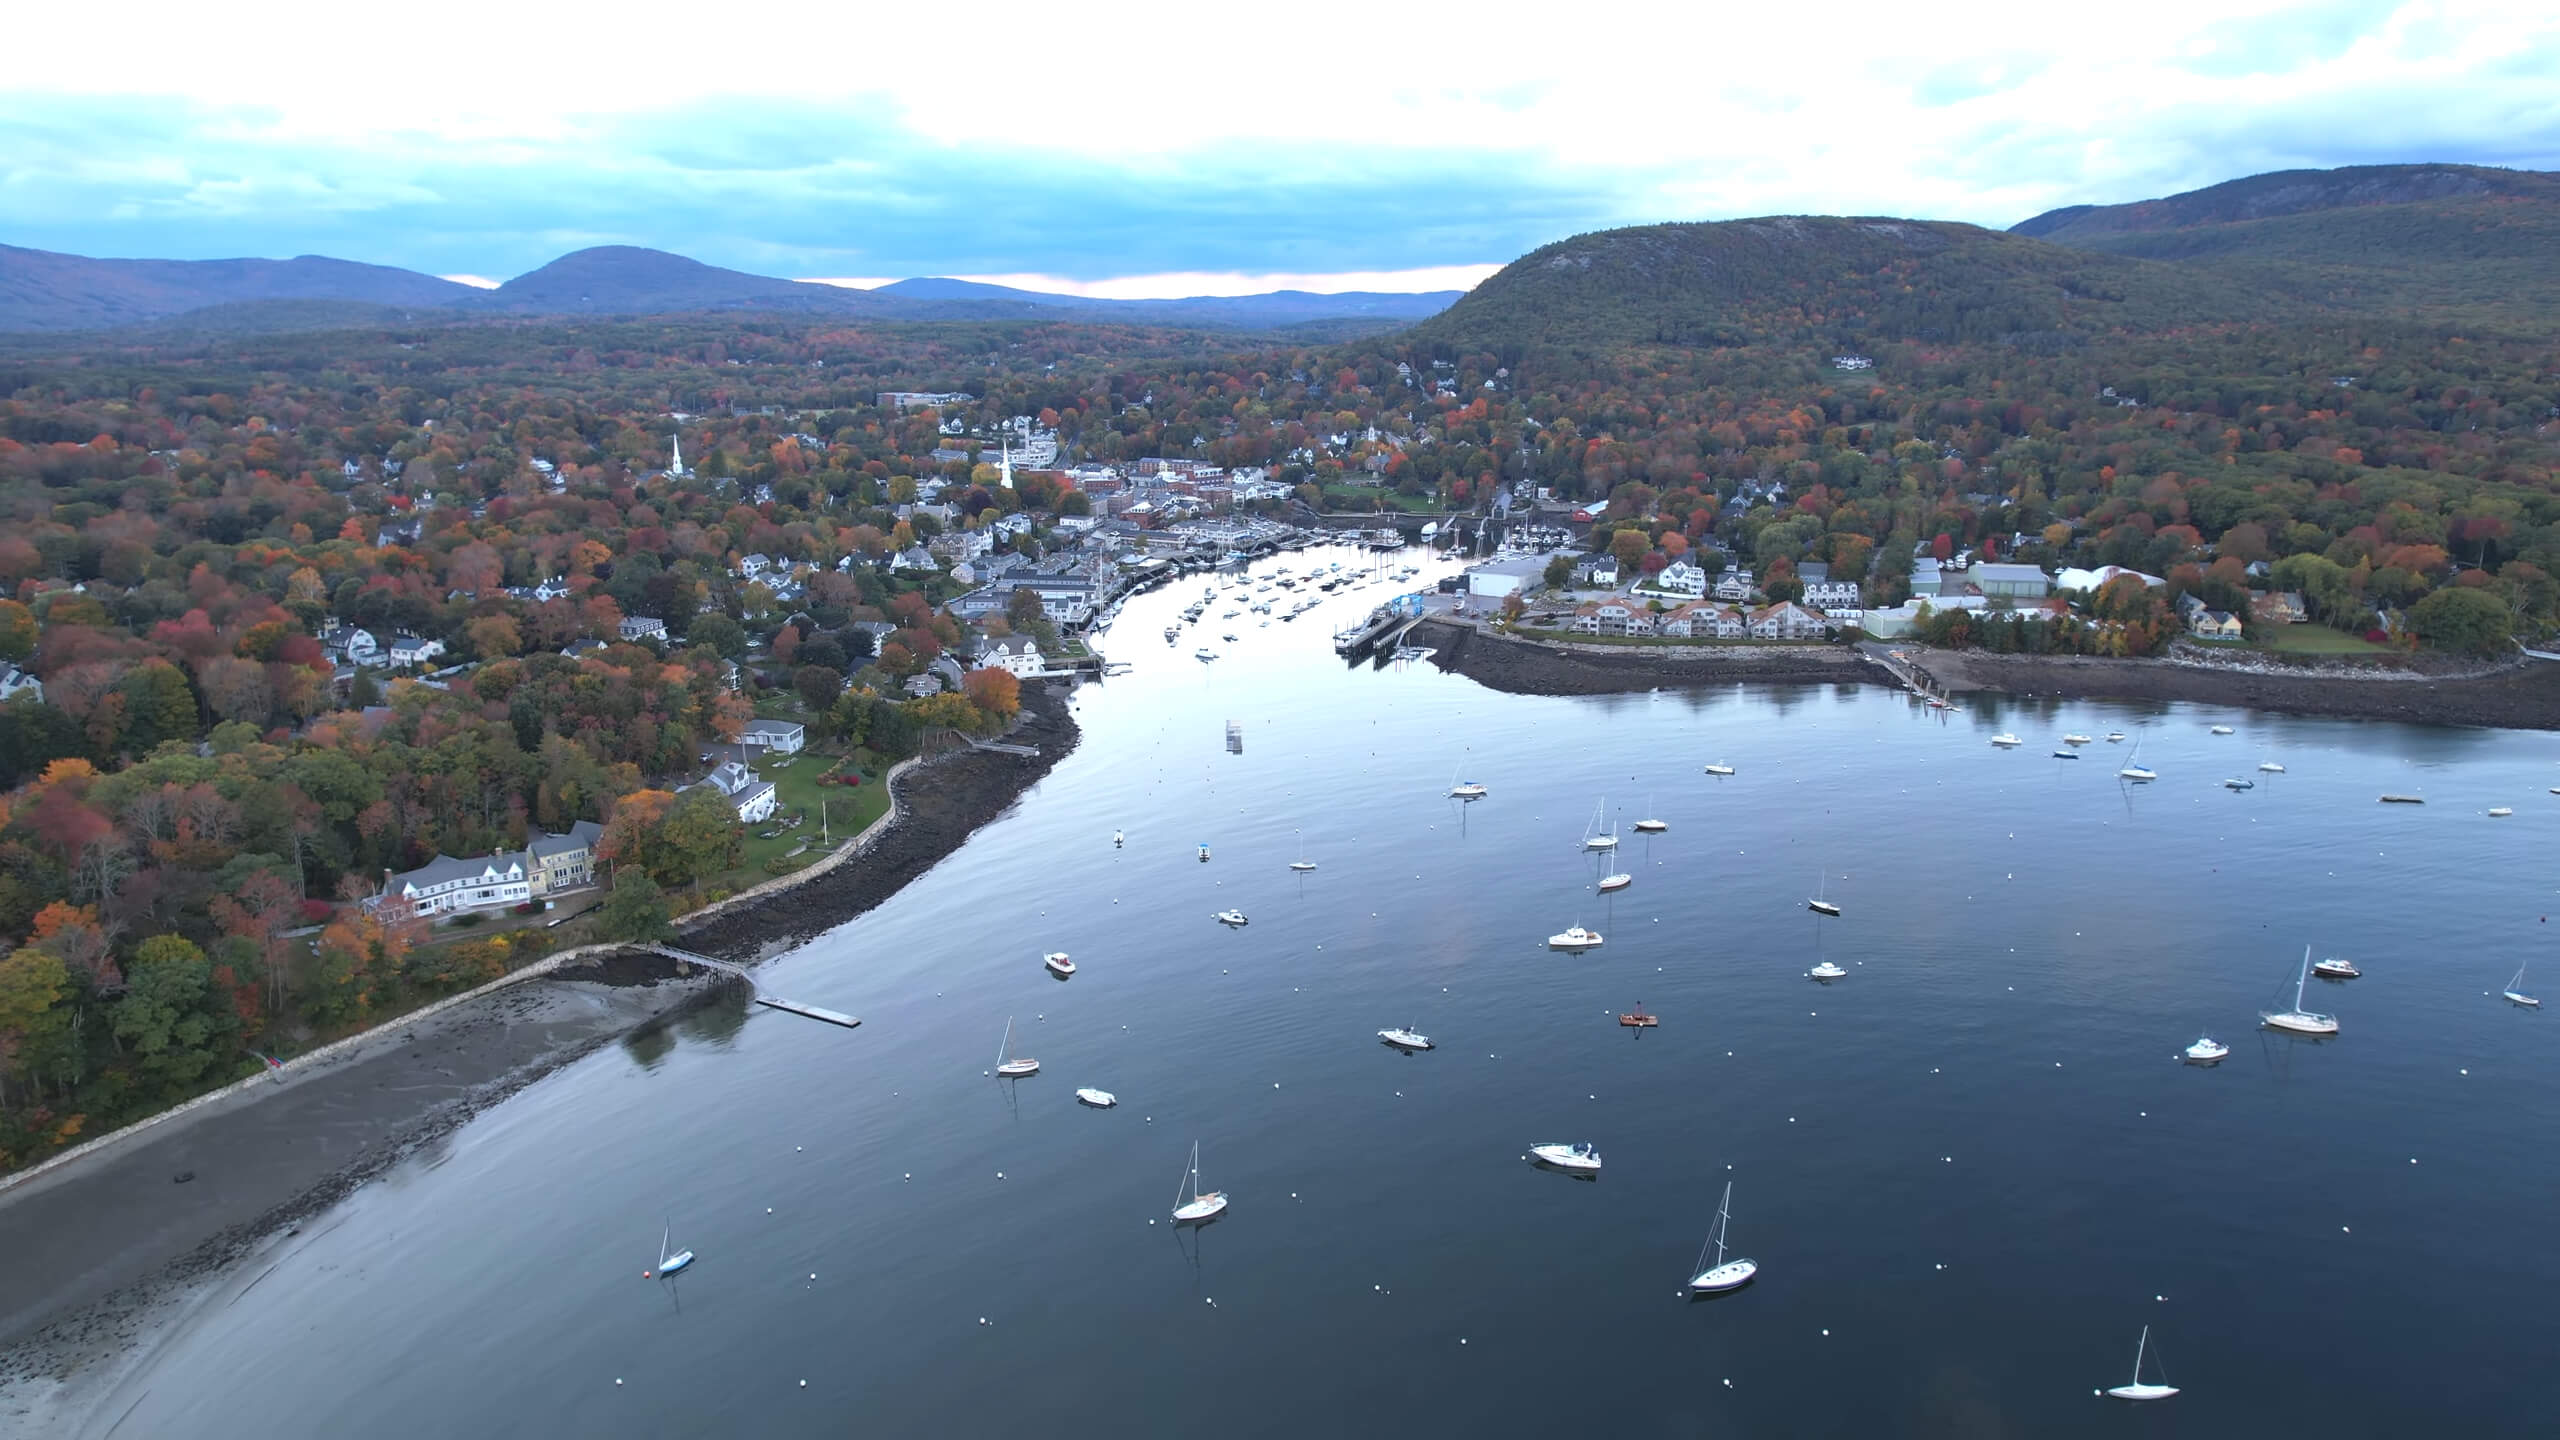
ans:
x=1018 y=655
x=413 y=650
x=1827 y=595
x=754 y=565
x=1598 y=570
x=642 y=627
x=914 y=557
x=1734 y=586
x=14 y=681
x=446 y=886
x=360 y=647
x=1785 y=620
x=751 y=793
x=775 y=737
x=1682 y=577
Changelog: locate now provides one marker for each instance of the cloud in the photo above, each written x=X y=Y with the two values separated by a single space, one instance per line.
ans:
x=1190 y=143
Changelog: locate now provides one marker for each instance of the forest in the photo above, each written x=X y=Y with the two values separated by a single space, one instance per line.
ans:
x=192 y=807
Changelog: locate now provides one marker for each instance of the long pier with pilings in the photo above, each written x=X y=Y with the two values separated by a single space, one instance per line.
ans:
x=773 y=1002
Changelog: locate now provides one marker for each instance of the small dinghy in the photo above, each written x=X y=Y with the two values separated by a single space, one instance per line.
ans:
x=1579 y=1157
x=1406 y=1038
x=1058 y=963
x=1098 y=1099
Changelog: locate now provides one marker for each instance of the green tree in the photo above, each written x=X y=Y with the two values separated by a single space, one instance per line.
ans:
x=719 y=634
x=159 y=705
x=700 y=837
x=636 y=909
x=176 y=1027
x=2464 y=620
x=17 y=631
x=1559 y=570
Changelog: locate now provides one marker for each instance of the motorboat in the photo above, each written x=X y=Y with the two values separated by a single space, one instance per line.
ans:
x=1098 y=1099
x=1172 y=633
x=1007 y=1064
x=1719 y=769
x=1230 y=917
x=1406 y=1038
x=1638 y=1019
x=1200 y=1206
x=2206 y=1050
x=2336 y=967
x=1579 y=1157
x=2075 y=738
x=2239 y=783
x=2221 y=730
x=2006 y=741
x=1724 y=1275
x=2500 y=812
x=1619 y=881
x=2137 y=1390
x=1826 y=971
x=2297 y=1019
x=1576 y=938
x=1058 y=963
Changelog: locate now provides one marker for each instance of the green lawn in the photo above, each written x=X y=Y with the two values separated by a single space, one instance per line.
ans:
x=798 y=793
x=1426 y=503
x=2321 y=640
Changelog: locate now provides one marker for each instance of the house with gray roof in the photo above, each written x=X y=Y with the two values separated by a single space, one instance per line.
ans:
x=558 y=863
x=447 y=886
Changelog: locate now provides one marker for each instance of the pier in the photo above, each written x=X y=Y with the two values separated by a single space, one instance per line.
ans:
x=775 y=1002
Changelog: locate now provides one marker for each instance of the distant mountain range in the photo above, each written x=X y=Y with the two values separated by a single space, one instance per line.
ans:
x=2442 y=244
x=44 y=291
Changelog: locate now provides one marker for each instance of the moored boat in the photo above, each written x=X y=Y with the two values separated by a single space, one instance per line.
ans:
x=1576 y=938
x=1580 y=1156
x=1058 y=963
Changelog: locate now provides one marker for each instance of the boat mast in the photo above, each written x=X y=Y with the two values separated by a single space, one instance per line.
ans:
x=2138 y=1346
x=1006 y=1048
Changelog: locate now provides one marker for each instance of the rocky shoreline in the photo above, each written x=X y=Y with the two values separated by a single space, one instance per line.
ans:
x=127 y=1241
x=1541 y=667
x=2524 y=695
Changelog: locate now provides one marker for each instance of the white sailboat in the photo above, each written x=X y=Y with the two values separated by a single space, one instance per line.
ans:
x=2297 y=1019
x=2134 y=769
x=1464 y=789
x=1302 y=864
x=1825 y=971
x=1006 y=1065
x=2271 y=767
x=2517 y=994
x=2137 y=1390
x=1651 y=826
x=1818 y=905
x=1619 y=881
x=1199 y=1207
x=1719 y=769
x=668 y=1264
x=1595 y=838
x=2006 y=740
x=1724 y=1275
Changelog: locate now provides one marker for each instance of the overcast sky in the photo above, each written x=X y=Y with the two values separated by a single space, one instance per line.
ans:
x=1152 y=148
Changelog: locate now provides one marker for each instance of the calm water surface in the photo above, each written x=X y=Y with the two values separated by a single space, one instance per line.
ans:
x=1971 y=1172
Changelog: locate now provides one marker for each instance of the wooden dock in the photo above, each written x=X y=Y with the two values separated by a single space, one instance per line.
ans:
x=832 y=1017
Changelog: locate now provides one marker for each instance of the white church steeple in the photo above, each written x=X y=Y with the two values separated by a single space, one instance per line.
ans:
x=675 y=461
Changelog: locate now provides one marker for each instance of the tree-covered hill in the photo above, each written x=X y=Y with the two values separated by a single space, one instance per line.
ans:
x=2457 y=244
x=1823 y=280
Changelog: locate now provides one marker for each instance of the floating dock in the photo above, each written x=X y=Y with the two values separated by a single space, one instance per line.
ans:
x=832 y=1017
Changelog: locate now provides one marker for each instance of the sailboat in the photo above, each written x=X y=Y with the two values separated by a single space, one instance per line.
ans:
x=1651 y=827
x=2297 y=1019
x=1719 y=769
x=1817 y=904
x=2134 y=768
x=1618 y=881
x=1595 y=838
x=1199 y=1207
x=2516 y=993
x=2271 y=767
x=668 y=1264
x=1464 y=789
x=1302 y=864
x=1725 y=1274
x=2137 y=1390
x=1006 y=1065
